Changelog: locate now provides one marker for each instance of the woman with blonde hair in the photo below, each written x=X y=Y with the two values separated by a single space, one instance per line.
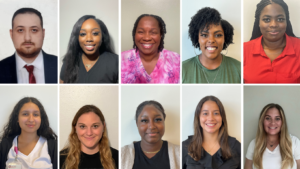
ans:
x=273 y=147
x=211 y=147
x=88 y=145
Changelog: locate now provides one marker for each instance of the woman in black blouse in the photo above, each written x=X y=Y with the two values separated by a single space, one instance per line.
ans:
x=210 y=147
x=89 y=58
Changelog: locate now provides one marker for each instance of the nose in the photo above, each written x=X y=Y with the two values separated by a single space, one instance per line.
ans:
x=151 y=124
x=211 y=116
x=30 y=117
x=147 y=36
x=27 y=36
x=273 y=23
x=89 y=131
x=211 y=39
x=89 y=37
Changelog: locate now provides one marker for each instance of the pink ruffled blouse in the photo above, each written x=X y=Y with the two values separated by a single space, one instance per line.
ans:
x=167 y=69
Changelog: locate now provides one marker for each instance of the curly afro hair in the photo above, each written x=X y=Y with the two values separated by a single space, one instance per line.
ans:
x=162 y=27
x=203 y=19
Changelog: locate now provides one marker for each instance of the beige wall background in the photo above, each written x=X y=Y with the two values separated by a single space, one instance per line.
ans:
x=230 y=96
x=230 y=10
x=249 y=16
x=48 y=9
x=72 y=98
x=167 y=96
x=168 y=10
x=72 y=10
x=10 y=95
x=256 y=97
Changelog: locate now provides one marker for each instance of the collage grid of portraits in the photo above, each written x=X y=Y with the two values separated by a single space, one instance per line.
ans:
x=242 y=102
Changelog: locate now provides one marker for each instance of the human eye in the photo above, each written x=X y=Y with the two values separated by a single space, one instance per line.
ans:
x=281 y=19
x=278 y=119
x=204 y=113
x=203 y=35
x=158 y=119
x=95 y=126
x=266 y=20
x=20 y=30
x=82 y=34
x=216 y=113
x=219 y=35
x=96 y=33
x=34 y=30
x=144 y=120
x=267 y=118
x=25 y=114
x=82 y=126
x=36 y=114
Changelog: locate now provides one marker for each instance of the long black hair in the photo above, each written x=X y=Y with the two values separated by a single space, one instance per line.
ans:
x=74 y=52
x=260 y=6
x=12 y=128
x=162 y=27
x=154 y=103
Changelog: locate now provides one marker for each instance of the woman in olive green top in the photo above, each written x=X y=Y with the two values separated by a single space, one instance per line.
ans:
x=211 y=34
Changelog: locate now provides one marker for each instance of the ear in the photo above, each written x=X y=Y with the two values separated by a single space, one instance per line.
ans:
x=10 y=32
x=43 y=33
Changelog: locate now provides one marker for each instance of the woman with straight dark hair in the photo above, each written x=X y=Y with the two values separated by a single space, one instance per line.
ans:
x=211 y=147
x=28 y=129
x=89 y=58
x=272 y=54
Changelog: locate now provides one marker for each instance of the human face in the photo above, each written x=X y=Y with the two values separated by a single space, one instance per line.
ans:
x=27 y=35
x=272 y=121
x=147 y=36
x=211 y=41
x=210 y=117
x=90 y=37
x=151 y=124
x=272 y=22
x=89 y=129
x=29 y=118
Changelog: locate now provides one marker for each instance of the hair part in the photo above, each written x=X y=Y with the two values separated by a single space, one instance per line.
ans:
x=154 y=103
x=74 y=51
x=195 y=146
x=12 y=128
x=204 y=19
x=162 y=27
x=260 y=6
x=73 y=147
x=29 y=11
x=285 y=142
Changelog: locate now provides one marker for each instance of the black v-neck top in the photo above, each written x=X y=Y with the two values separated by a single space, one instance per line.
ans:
x=215 y=161
x=159 y=161
x=105 y=70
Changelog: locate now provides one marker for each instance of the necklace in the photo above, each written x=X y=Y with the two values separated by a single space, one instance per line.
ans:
x=216 y=74
x=149 y=152
x=89 y=65
x=209 y=152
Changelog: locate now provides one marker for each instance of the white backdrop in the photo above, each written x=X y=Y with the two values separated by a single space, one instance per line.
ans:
x=72 y=98
x=47 y=95
x=167 y=96
x=48 y=9
x=230 y=10
x=249 y=13
x=230 y=96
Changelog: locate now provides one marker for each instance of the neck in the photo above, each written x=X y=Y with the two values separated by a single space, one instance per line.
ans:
x=28 y=59
x=92 y=57
x=210 y=137
x=149 y=147
x=28 y=137
x=273 y=138
x=210 y=63
x=149 y=58
x=274 y=45
x=90 y=151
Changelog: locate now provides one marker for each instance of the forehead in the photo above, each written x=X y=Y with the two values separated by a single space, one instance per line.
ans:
x=273 y=10
x=89 y=118
x=90 y=24
x=29 y=106
x=150 y=111
x=273 y=112
x=27 y=20
x=212 y=28
x=209 y=104
x=148 y=21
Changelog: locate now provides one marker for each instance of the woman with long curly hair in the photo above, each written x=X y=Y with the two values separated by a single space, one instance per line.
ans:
x=211 y=147
x=28 y=129
x=88 y=145
x=273 y=147
x=89 y=58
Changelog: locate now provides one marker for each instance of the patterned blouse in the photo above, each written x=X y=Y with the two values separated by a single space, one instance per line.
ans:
x=167 y=68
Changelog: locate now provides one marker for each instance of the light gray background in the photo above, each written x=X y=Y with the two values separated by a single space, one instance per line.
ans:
x=167 y=96
x=72 y=10
x=256 y=97
x=48 y=9
x=230 y=96
x=249 y=13
x=230 y=10
x=47 y=95
x=72 y=98
x=168 y=10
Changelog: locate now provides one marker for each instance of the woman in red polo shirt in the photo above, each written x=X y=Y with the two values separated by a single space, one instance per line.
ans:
x=273 y=53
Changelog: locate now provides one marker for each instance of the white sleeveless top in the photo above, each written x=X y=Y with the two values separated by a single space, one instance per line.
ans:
x=38 y=157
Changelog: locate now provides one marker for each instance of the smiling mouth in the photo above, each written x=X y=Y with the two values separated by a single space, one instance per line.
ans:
x=30 y=125
x=211 y=49
x=272 y=128
x=89 y=138
x=90 y=47
x=211 y=124
x=152 y=134
x=274 y=33
x=147 y=46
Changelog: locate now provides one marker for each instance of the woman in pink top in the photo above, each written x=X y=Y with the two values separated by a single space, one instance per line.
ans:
x=149 y=62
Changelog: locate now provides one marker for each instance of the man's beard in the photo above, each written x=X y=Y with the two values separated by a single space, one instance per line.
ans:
x=28 y=52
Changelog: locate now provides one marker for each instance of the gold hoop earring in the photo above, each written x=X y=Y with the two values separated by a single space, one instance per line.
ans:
x=226 y=51
x=195 y=50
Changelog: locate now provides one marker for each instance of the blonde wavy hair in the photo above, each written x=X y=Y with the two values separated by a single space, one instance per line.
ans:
x=73 y=148
x=285 y=142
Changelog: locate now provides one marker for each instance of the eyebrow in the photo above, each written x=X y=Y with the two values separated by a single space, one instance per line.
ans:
x=92 y=29
x=26 y=111
x=154 y=116
x=206 y=31
x=85 y=124
x=270 y=116
x=207 y=110
x=275 y=16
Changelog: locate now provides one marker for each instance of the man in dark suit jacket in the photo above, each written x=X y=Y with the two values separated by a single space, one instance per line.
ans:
x=30 y=64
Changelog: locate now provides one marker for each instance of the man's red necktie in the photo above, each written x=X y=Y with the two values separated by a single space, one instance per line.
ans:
x=31 y=75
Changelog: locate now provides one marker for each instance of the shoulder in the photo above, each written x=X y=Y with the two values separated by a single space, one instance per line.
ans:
x=127 y=148
x=187 y=64
x=170 y=53
x=110 y=55
x=252 y=42
x=232 y=60
x=173 y=146
x=234 y=143
x=128 y=53
x=114 y=151
x=8 y=60
x=294 y=39
x=6 y=141
x=49 y=56
x=295 y=140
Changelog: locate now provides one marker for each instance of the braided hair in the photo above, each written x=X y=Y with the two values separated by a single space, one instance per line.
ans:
x=260 y=6
x=162 y=27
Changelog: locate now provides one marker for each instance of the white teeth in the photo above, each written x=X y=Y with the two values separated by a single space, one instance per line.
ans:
x=211 y=48
x=210 y=124
x=90 y=46
x=147 y=44
x=272 y=127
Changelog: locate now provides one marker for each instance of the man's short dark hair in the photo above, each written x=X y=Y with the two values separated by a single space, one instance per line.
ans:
x=27 y=10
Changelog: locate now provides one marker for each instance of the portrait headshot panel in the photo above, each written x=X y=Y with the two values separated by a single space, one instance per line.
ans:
x=249 y=17
x=48 y=10
x=191 y=95
x=168 y=10
x=230 y=11
x=72 y=10
x=257 y=97
x=72 y=98
x=133 y=96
